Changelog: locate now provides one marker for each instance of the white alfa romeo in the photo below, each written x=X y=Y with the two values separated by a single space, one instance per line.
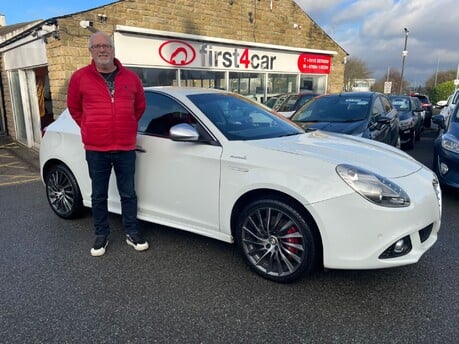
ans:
x=220 y=165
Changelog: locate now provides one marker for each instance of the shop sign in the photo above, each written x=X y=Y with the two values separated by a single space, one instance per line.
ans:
x=314 y=63
x=181 y=53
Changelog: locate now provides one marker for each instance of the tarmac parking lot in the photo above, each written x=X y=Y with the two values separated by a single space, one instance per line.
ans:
x=18 y=164
x=190 y=289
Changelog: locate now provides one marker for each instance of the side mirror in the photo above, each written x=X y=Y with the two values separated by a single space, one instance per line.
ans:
x=439 y=120
x=382 y=119
x=183 y=132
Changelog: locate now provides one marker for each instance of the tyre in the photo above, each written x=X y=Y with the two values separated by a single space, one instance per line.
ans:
x=63 y=193
x=410 y=143
x=276 y=241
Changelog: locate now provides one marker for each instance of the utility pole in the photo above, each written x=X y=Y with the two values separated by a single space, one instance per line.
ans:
x=404 y=53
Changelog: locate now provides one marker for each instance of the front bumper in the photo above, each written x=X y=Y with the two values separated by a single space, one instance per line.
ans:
x=355 y=233
x=446 y=165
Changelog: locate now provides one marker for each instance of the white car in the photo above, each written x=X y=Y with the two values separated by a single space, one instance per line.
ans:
x=447 y=110
x=220 y=165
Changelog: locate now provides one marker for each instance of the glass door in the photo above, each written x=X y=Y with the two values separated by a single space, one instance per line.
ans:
x=25 y=107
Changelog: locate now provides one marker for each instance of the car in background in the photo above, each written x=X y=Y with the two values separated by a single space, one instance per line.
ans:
x=411 y=121
x=446 y=149
x=427 y=105
x=366 y=114
x=220 y=165
x=293 y=102
x=420 y=109
x=450 y=105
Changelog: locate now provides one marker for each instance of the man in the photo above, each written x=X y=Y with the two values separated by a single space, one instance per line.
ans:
x=106 y=100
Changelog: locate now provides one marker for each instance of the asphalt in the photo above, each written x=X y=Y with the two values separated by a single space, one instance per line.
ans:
x=18 y=163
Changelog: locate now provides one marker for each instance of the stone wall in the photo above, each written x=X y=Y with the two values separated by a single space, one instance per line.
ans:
x=245 y=20
x=200 y=17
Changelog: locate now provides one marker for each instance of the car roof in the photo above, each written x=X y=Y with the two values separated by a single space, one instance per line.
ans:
x=363 y=94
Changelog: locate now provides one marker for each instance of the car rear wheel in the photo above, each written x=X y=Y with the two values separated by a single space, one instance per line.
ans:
x=276 y=241
x=63 y=193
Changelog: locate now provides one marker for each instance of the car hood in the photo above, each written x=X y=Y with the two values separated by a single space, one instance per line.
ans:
x=403 y=115
x=351 y=128
x=337 y=149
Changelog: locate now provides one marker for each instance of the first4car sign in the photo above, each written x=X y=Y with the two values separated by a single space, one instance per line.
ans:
x=175 y=52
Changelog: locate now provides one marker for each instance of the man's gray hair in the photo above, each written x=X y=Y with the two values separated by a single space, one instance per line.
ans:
x=99 y=33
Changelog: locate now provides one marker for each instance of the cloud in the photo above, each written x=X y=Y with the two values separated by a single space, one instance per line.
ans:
x=373 y=31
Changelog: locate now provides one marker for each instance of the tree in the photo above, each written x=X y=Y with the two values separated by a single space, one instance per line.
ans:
x=355 y=69
x=440 y=77
x=441 y=91
x=394 y=78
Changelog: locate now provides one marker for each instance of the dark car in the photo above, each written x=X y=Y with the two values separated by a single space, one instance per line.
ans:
x=427 y=105
x=446 y=149
x=411 y=121
x=293 y=102
x=367 y=114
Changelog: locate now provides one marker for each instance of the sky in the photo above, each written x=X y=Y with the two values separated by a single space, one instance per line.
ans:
x=371 y=30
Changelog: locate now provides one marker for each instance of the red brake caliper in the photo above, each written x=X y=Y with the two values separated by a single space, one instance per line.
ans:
x=294 y=250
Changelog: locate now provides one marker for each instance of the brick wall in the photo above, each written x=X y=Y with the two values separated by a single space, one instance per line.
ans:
x=199 y=17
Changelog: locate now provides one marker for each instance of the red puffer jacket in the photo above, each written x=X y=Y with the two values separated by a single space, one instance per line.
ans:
x=107 y=123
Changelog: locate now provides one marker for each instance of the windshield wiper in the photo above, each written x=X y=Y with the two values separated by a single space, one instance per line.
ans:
x=290 y=134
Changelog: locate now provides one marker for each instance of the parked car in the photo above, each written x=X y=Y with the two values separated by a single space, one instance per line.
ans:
x=293 y=102
x=411 y=121
x=221 y=165
x=427 y=105
x=446 y=149
x=420 y=109
x=450 y=104
x=272 y=101
x=366 y=114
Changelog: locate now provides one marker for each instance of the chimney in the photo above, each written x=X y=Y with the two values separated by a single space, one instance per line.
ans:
x=2 y=20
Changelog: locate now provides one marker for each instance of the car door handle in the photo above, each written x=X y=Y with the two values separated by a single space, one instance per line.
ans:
x=140 y=149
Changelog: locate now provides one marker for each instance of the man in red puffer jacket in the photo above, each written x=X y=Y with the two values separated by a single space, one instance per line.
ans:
x=107 y=100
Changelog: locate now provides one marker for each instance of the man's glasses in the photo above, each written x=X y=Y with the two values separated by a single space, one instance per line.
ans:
x=101 y=46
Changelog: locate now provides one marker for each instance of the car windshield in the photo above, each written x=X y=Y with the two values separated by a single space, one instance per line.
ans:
x=335 y=108
x=239 y=118
x=401 y=103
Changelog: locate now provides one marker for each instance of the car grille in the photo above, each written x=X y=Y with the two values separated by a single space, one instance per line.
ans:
x=425 y=232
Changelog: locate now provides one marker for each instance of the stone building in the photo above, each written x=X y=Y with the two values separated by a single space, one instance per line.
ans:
x=253 y=47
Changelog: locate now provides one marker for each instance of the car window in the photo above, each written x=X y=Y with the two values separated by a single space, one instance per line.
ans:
x=401 y=103
x=239 y=118
x=335 y=108
x=161 y=114
x=377 y=107
x=386 y=104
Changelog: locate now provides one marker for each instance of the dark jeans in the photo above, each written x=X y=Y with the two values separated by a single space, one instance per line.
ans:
x=100 y=165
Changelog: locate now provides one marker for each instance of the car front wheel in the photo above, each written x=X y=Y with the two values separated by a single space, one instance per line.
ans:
x=63 y=193
x=276 y=241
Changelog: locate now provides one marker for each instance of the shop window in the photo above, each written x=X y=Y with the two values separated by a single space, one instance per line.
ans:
x=248 y=84
x=156 y=76
x=282 y=83
x=202 y=78
x=314 y=83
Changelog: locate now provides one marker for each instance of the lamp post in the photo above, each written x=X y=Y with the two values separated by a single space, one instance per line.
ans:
x=404 y=53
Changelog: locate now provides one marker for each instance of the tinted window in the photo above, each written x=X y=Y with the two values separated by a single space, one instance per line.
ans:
x=377 y=108
x=334 y=108
x=239 y=118
x=401 y=103
x=386 y=104
x=161 y=114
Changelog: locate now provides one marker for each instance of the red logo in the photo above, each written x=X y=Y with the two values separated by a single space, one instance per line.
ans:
x=177 y=53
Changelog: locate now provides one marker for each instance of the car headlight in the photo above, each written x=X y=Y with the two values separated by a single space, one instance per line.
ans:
x=373 y=187
x=406 y=123
x=450 y=143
